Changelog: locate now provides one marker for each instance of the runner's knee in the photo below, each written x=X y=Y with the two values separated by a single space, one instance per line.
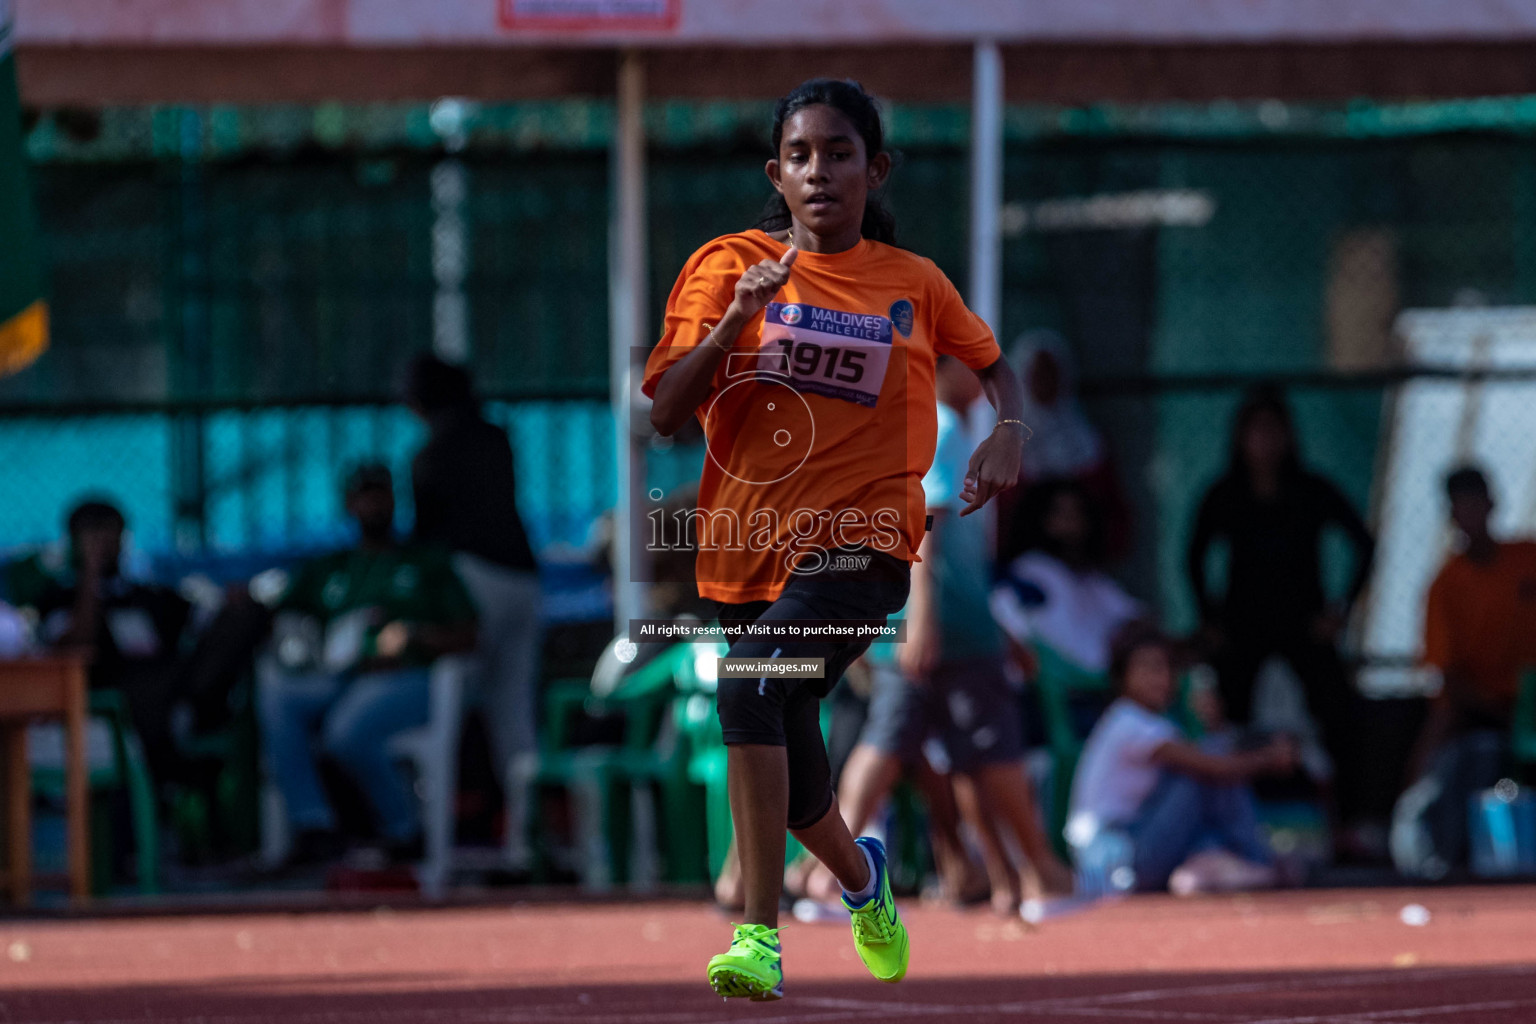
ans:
x=810 y=775
x=751 y=711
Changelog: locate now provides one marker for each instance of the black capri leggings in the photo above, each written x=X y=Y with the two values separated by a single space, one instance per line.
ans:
x=786 y=713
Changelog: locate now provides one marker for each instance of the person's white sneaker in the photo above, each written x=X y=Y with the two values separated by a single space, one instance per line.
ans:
x=1219 y=871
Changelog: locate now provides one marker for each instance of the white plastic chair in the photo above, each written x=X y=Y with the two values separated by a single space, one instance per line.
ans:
x=433 y=753
x=433 y=750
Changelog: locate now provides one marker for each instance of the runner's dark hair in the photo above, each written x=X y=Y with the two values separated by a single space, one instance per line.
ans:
x=848 y=98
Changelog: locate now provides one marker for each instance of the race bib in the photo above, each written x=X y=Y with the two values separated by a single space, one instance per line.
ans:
x=826 y=352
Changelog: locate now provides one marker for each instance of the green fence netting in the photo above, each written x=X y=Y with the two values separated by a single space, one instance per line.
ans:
x=234 y=291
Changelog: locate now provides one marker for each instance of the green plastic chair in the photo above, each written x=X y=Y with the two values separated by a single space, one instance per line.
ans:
x=225 y=816
x=654 y=762
x=128 y=770
x=1058 y=682
x=603 y=778
x=699 y=722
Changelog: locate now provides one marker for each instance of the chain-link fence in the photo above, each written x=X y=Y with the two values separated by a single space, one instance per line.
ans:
x=227 y=481
x=234 y=292
x=1387 y=440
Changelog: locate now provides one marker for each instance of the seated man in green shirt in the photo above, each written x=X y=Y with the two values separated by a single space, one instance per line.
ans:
x=385 y=610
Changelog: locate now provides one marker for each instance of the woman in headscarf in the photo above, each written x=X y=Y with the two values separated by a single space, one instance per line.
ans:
x=1064 y=445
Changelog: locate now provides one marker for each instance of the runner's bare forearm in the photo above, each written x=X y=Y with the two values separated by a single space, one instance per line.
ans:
x=686 y=384
x=1001 y=386
x=994 y=466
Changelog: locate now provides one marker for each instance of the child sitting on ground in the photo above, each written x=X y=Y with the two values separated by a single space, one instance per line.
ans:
x=1185 y=807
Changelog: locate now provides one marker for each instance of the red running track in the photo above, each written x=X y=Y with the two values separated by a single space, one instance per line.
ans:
x=1289 y=958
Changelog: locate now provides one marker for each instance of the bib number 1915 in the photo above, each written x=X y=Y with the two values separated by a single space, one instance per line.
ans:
x=830 y=361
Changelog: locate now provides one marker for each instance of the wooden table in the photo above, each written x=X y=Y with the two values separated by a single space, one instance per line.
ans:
x=33 y=689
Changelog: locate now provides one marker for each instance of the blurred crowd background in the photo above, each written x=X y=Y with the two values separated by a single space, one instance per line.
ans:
x=236 y=290
x=237 y=293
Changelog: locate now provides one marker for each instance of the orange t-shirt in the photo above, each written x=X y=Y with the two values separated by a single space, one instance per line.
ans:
x=1480 y=620
x=822 y=420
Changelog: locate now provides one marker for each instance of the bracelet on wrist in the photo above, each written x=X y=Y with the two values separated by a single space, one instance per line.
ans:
x=1023 y=427
x=709 y=338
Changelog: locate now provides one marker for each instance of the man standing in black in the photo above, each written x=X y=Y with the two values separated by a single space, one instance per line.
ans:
x=466 y=500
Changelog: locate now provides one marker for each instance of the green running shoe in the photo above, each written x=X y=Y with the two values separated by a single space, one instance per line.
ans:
x=878 y=932
x=750 y=968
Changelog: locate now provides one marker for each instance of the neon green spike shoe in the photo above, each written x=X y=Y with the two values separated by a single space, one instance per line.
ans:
x=878 y=932
x=750 y=968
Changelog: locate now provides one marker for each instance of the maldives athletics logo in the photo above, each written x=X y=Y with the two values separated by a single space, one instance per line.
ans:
x=790 y=315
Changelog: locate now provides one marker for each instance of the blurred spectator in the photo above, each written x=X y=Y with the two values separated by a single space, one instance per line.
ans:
x=1480 y=619
x=132 y=632
x=1480 y=633
x=1271 y=512
x=1189 y=816
x=466 y=500
x=673 y=565
x=1063 y=444
x=15 y=633
x=25 y=579
x=385 y=610
x=1056 y=593
x=948 y=684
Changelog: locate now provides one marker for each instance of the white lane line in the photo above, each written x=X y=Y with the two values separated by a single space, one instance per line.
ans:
x=1384 y=1016
x=1105 y=1012
x=1104 y=1006
x=1037 y=1007
x=1096 y=1005
x=870 y=1012
x=572 y=1011
x=1285 y=984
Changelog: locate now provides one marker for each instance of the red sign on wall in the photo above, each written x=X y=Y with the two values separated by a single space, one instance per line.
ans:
x=577 y=15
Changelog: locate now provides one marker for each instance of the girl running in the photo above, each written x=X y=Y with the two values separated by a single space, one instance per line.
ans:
x=806 y=347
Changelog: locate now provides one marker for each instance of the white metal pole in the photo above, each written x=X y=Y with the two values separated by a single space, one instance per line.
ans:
x=450 y=235
x=627 y=334
x=450 y=261
x=987 y=184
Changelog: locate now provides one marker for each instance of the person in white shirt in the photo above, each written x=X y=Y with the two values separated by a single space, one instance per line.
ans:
x=1185 y=807
x=1055 y=594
